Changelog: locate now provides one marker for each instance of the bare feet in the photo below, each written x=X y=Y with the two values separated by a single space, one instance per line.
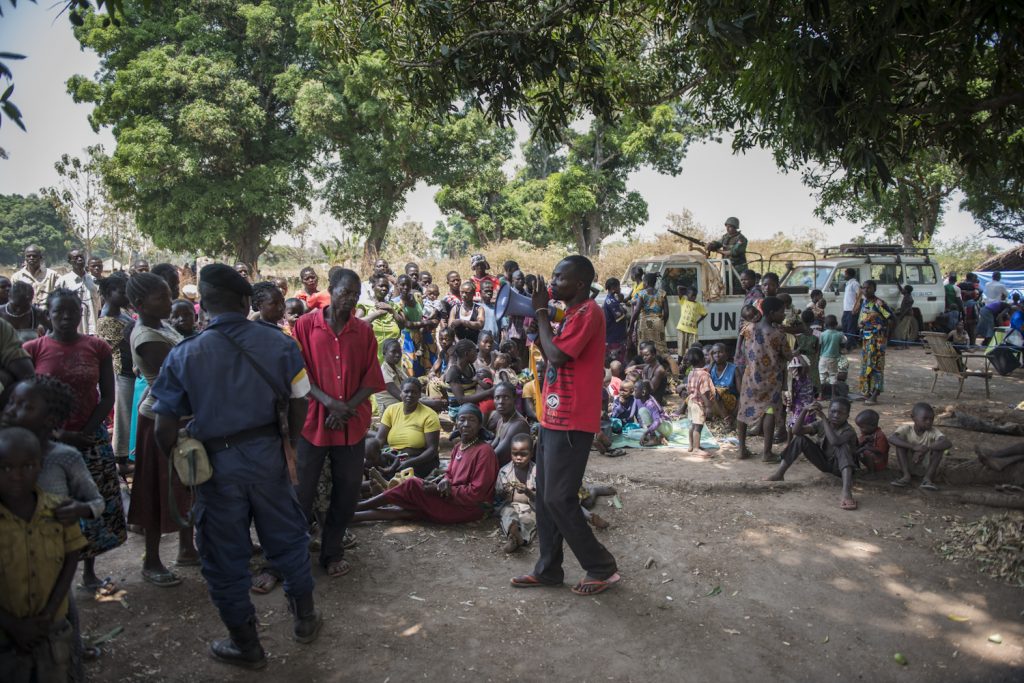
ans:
x=778 y=476
x=848 y=504
x=598 y=521
x=746 y=454
x=987 y=460
x=515 y=539
x=770 y=457
x=701 y=453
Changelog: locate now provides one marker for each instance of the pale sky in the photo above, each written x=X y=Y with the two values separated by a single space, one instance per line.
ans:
x=713 y=185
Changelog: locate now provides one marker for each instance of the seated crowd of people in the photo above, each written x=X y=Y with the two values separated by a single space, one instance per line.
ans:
x=452 y=423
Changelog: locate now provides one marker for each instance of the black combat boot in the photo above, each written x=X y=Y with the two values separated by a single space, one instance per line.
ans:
x=306 y=620
x=242 y=648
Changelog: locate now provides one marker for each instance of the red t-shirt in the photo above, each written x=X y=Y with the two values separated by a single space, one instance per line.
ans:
x=871 y=461
x=339 y=365
x=76 y=364
x=478 y=282
x=572 y=393
x=318 y=300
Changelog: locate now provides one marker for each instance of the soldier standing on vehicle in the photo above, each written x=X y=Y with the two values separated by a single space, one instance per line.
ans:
x=733 y=246
x=244 y=441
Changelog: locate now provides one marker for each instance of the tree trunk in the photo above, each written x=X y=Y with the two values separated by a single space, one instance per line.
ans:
x=588 y=234
x=375 y=239
x=908 y=226
x=251 y=244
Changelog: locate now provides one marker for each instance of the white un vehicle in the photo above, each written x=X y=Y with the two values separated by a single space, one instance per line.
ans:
x=718 y=287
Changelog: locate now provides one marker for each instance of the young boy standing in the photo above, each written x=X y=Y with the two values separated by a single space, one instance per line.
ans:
x=516 y=489
x=691 y=312
x=830 y=346
x=701 y=396
x=920 y=439
x=35 y=635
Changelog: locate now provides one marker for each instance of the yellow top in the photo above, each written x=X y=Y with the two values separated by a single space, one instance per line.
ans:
x=32 y=555
x=406 y=431
x=690 y=312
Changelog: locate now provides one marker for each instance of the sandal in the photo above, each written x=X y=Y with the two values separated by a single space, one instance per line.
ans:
x=264 y=582
x=848 y=504
x=900 y=483
x=595 y=586
x=164 y=578
x=531 y=581
x=928 y=486
x=337 y=568
x=349 y=541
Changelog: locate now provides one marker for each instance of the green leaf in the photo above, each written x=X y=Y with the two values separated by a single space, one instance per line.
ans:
x=713 y=592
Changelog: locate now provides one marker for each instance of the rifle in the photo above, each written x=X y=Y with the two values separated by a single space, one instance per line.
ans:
x=691 y=240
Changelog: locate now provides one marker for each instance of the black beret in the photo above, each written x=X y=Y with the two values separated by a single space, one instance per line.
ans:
x=223 y=276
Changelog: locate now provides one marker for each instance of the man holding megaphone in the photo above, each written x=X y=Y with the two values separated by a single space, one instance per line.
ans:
x=572 y=416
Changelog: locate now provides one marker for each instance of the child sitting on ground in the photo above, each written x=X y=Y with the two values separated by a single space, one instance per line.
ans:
x=701 y=398
x=872 y=445
x=625 y=406
x=656 y=427
x=920 y=439
x=516 y=489
x=834 y=452
x=39 y=564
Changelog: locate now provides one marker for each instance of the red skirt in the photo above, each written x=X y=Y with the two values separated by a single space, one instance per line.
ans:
x=409 y=495
x=149 y=505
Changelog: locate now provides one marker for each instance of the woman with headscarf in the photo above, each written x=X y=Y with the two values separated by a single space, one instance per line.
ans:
x=462 y=495
x=875 y=316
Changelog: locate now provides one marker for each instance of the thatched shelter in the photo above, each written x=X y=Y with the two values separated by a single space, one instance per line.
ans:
x=1011 y=259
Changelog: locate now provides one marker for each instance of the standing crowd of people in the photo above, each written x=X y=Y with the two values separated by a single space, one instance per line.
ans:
x=392 y=397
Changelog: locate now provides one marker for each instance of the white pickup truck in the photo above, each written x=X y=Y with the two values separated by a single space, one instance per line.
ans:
x=888 y=265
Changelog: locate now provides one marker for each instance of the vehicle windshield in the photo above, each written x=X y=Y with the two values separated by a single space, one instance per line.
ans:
x=807 y=276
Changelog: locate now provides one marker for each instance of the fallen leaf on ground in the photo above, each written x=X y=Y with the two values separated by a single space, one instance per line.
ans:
x=957 y=617
x=731 y=631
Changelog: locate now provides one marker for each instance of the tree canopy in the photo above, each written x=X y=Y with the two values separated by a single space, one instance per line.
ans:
x=207 y=153
x=864 y=86
x=31 y=220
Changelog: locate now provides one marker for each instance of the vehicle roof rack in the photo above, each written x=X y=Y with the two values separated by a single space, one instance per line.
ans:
x=854 y=249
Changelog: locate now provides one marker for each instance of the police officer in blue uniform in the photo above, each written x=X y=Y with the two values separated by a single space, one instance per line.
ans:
x=233 y=407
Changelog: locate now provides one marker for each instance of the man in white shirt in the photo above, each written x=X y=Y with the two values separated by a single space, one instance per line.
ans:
x=851 y=295
x=84 y=285
x=42 y=279
x=996 y=290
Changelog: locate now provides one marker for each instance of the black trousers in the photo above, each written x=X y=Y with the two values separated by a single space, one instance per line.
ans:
x=346 y=480
x=834 y=461
x=561 y=461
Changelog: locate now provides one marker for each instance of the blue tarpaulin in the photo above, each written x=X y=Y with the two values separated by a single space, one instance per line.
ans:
x=1013 y=279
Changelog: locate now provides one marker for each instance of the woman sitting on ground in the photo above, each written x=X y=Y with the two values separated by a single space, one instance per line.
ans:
x=653 y=371
x=461 y=376
x=408 y=436
x=460 y=495
x=723 y=374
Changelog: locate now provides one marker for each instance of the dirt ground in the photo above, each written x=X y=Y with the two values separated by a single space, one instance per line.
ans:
x=725 y=578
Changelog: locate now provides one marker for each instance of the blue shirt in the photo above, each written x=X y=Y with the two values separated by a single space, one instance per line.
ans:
x=205 y=376
x=614 y=331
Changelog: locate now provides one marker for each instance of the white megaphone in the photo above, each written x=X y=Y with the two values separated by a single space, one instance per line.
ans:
x=511 y=302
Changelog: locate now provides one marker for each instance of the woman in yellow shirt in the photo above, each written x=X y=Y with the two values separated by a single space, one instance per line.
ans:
x=408 y=436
